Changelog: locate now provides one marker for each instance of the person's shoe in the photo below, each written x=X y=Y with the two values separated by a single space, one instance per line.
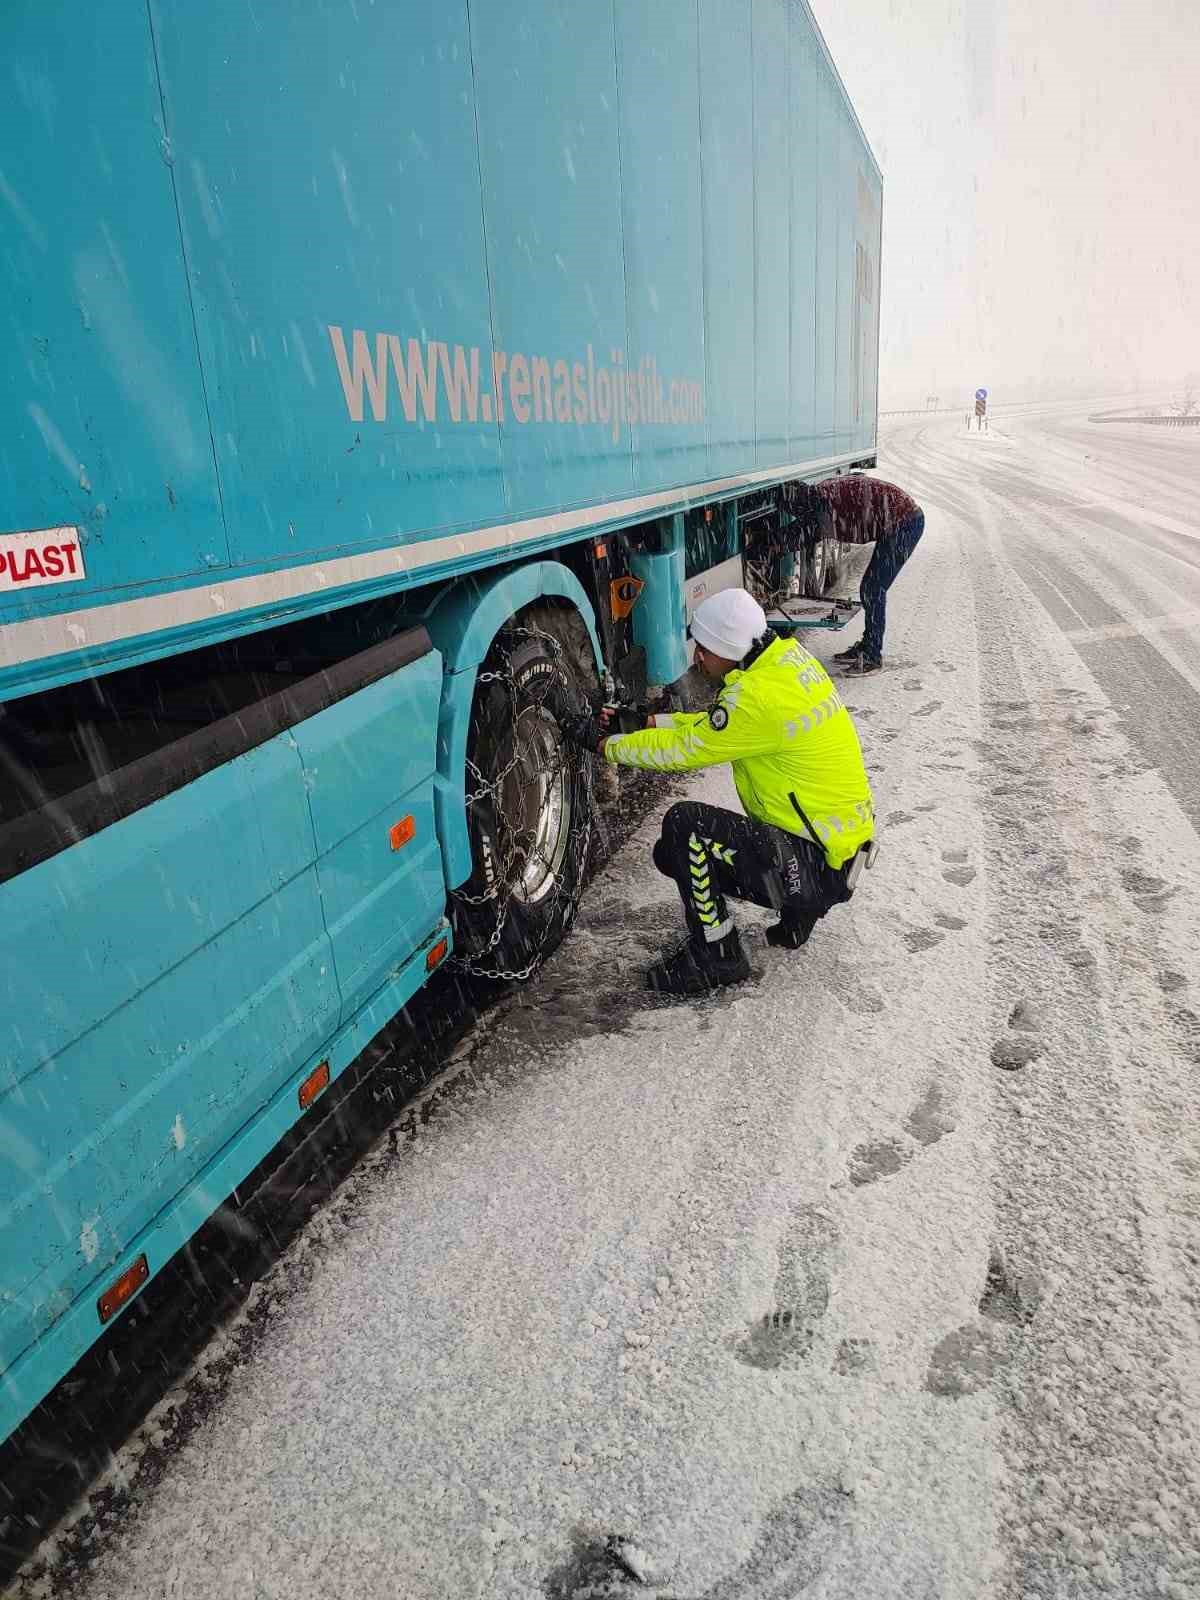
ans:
x=791 y=931
x=865 y=665
x=698 y=967
x=854 y=652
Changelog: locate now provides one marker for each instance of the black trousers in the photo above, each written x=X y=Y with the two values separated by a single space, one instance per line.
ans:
x=711 y=853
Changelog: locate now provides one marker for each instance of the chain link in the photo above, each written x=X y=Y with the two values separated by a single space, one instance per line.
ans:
x=515 y=845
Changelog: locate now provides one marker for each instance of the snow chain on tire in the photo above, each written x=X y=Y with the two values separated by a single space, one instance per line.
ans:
x=490 y=906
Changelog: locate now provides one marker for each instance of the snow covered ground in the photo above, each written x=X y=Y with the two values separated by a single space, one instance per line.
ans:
x=878 y=1277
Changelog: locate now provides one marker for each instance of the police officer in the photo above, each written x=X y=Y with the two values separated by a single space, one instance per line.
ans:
x=799 y=772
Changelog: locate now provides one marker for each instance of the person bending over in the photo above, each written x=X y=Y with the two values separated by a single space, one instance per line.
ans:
x=860 y=510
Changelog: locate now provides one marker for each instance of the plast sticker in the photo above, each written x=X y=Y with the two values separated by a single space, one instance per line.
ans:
x=39 y=556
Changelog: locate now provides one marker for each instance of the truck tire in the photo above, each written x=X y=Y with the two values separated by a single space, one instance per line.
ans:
x=564 y=625
x=821 y=560
x=529 y=810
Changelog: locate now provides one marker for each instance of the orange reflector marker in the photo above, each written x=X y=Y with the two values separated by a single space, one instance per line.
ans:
x=316 y=1083
x=401 y=832
x=121 y=1292
x=437 y=954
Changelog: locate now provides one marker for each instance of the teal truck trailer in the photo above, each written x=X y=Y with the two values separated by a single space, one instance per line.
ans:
x=379 y=380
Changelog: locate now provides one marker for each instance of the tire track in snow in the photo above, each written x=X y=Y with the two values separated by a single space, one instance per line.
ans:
x=1101 y=1437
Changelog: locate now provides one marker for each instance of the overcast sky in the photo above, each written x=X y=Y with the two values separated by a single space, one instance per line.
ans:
x=1041 y=168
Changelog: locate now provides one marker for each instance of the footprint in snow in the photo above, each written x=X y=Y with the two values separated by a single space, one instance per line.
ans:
x=964 y=1362
x=922 y=939
x=863 y=1002
x=1008 y=1295
x=870 y=1162
x=952 y=924
x=897 y=819
x=1010 y=1055
x=1135 y=881
x=1148 y=893
x=779 y=1335
x=929 y=709
x=1026 y=1017
x=597 y=1567
x=960 y=876
x=930 y=1119
x=1186 y=1028
x=913 y=685
x=854 y=1357
x=1081 y=958
x=791 y=1548
x=801 y=1295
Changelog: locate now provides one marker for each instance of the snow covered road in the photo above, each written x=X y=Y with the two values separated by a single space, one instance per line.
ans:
x=878 y=1277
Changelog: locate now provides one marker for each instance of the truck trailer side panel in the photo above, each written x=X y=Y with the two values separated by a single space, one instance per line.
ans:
x=103 y=422
x=394 y=282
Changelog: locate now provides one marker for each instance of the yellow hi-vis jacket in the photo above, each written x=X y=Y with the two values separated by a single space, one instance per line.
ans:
x=782 y=726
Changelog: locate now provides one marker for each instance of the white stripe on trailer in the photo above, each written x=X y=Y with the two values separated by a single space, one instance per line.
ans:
x=90 y=628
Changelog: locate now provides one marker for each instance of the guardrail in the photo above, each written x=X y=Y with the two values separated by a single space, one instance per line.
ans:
x=1030 y=405
x=1192 y=421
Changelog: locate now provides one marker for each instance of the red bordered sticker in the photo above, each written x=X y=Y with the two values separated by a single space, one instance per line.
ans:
x=42 y=555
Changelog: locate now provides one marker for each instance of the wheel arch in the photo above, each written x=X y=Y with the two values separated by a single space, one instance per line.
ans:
x=463 y=624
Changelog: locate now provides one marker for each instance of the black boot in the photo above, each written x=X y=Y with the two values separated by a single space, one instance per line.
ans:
x=792 y=930
x=697 y=966
x=855 y=650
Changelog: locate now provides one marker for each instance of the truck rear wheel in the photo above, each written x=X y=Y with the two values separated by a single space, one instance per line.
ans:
x=822 y=563
x=529 y=810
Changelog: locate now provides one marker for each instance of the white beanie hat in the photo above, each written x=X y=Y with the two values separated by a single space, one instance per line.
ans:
x=728 y=623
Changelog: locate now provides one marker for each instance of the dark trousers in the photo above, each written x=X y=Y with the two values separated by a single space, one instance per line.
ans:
x=712 y=853
x=889 y=556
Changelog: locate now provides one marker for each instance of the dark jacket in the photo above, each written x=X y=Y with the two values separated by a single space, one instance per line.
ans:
x=862 y=510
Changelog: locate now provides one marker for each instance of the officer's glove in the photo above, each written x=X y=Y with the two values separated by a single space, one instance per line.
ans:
x=584 y=729
x=626 y=719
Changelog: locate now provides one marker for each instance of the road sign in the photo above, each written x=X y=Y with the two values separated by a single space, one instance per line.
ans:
x=980 y=408
x=981 y=394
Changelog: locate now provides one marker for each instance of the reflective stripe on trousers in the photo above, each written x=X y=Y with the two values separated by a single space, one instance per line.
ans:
x=715 y=927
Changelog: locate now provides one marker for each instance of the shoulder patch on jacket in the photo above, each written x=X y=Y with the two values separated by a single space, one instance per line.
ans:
x=718 y=718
